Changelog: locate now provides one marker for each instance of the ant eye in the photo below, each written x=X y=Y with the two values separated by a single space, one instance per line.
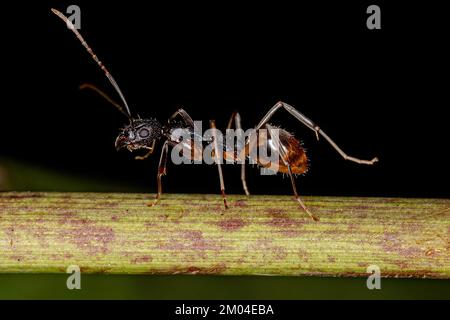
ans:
x=144 y=133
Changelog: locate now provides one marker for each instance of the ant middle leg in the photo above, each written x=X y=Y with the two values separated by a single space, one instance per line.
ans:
x=161 y=171
x=219 y=166
x=311 y=125
x=236 y=117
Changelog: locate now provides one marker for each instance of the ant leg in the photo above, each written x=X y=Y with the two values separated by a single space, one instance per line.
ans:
x=283 y=156
x=148 y=154
x=161 y=172
x=308 y=123
x=237 y=120
x=219 y=166
x=183 y=114
x=294 y=188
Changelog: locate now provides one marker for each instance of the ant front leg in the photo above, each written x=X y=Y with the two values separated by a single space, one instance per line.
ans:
x=237 y=120
x=307 y=122
x=148 y=154
x=161 y=171
x=219 y=166
x=184 y=115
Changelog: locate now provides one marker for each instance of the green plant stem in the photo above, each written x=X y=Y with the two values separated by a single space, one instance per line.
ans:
x=193 y=234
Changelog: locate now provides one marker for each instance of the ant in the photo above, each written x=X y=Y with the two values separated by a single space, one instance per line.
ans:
x=144 y=133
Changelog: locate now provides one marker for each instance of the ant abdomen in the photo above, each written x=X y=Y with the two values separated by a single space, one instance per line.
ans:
x=276 y=149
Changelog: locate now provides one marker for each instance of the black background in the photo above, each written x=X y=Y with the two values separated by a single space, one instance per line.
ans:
x=375 y=92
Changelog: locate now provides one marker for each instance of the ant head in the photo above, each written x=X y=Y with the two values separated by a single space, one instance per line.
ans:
x=139 y=134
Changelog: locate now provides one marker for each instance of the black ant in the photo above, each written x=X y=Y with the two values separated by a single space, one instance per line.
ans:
x=144 y=133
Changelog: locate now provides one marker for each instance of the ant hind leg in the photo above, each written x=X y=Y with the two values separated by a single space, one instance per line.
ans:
x=294 y=188
x=314 y=127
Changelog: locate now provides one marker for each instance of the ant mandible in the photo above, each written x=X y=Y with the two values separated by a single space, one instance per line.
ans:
x=144 y=133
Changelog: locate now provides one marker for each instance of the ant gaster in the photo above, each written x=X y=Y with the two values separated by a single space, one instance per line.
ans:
x=144 y=133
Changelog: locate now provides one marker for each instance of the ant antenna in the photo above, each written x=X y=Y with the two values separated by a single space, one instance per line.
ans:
x=105 y=96
x=100 y=64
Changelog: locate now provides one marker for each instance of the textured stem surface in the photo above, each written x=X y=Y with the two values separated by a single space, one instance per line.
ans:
x=193 y=234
